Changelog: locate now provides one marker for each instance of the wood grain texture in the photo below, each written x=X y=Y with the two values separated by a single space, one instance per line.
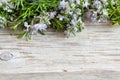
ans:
x=83 y=75
x=96 y=48
x=93 y=54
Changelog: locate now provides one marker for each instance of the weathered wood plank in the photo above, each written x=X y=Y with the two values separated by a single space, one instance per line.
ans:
x=83 y=75
x=96 y=48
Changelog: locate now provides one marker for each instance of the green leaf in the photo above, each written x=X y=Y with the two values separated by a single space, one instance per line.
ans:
x=41 y=32
x=22 y=35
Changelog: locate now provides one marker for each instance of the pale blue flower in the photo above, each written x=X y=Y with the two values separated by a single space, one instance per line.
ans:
x=75 y=16
x=26 y=24
x=53 y=14
x=73 y=22
x=86 y=3
x=75 y=29
x=63 y=4
x=40 y=27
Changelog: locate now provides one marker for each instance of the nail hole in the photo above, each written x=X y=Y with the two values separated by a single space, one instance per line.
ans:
x=64 y=70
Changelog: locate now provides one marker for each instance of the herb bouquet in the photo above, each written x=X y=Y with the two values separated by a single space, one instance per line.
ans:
x=32 y=16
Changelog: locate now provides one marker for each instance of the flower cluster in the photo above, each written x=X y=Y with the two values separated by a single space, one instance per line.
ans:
x=69 y=15
x=38 y=23
x=97 y=11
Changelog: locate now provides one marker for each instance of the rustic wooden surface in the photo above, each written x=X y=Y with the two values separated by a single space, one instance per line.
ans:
x=95 y=53
x=84 y=75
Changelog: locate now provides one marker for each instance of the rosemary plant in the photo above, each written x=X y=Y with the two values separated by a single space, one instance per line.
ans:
x=36 y=16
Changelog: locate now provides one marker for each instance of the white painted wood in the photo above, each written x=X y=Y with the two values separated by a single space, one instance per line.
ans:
x=83 y=75
x=95 y=48
x=93 y=54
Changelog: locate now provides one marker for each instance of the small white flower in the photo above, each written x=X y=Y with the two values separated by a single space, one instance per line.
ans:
x=40 y=27
x=87 y=15
x=52 y=14
x=70 y=12
x=63 y=4
x=9 y=10
x=97 y=4
x=26 y=24
x=78 y=11
x=86 y=3
x=73 y=22
x=6 y=8
x=75 y=29
x=79 y=20
x=75 y=16
x=61 y=18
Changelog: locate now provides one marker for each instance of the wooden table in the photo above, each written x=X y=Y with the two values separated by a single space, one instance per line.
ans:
x=93 y=54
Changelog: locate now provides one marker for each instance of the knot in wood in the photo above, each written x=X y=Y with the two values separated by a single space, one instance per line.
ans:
x=5 y=56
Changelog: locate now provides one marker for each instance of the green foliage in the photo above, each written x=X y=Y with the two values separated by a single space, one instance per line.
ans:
x=114 y=11
x=32 y=16
x=25 y=10
x=58 y=25
x=16 y=12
